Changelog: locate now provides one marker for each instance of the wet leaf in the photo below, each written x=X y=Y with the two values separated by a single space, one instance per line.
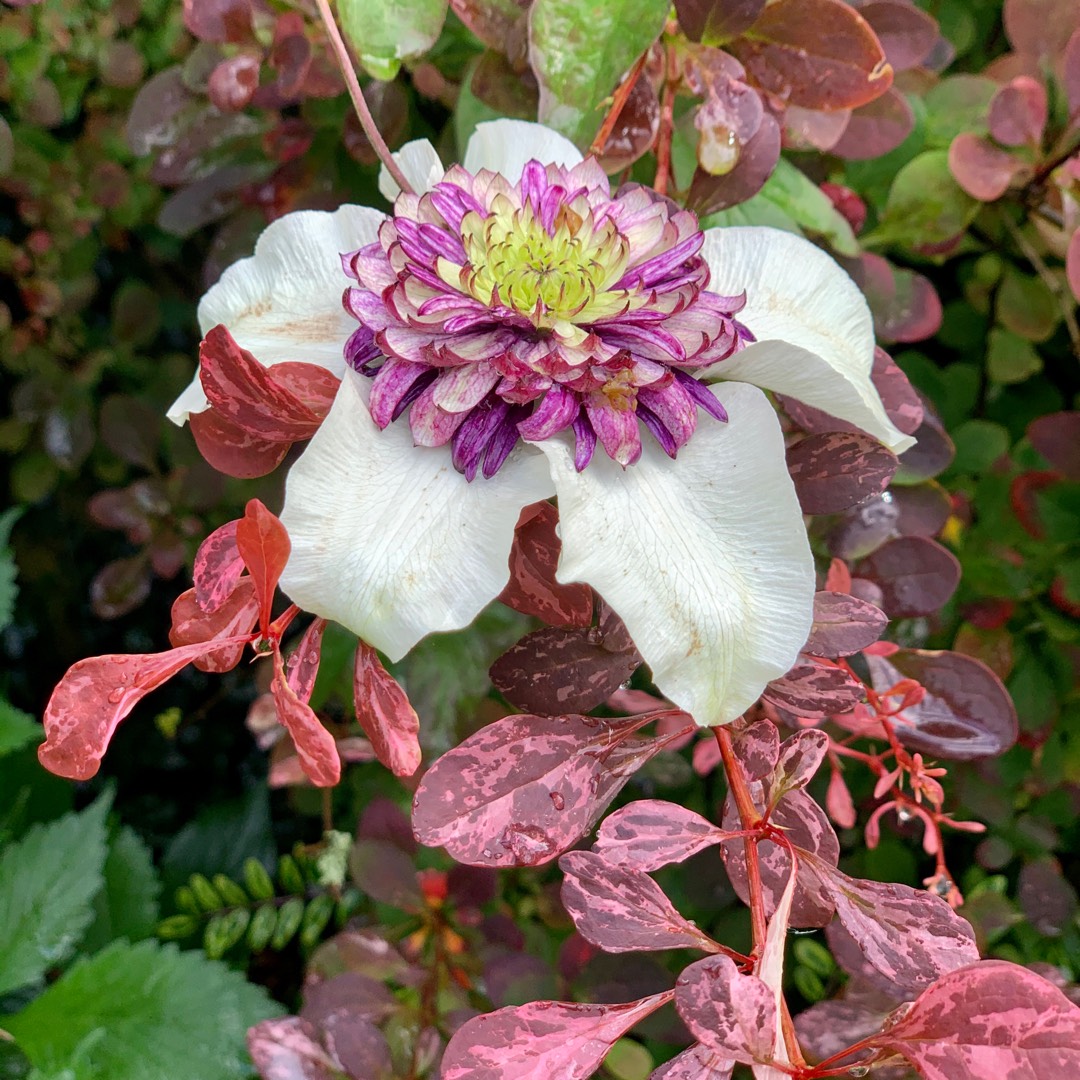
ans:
x=757 y=159
x=843 y=625
x=620 y=909
x=264 y=546
x=966 y=714
x=714 y=21
x=650 y=833
x=834 y=471
x=697 y=1062
x=218 y=567
x=383 y=34
x=916 y=575
x=315 y=745
x=302 y=667
x=385 y=713
x=233 y=619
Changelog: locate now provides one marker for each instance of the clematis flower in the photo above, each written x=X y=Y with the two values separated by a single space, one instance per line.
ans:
x=514 y=331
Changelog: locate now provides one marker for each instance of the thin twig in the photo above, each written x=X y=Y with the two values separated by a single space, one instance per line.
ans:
x=618 y=103
x=367 y=121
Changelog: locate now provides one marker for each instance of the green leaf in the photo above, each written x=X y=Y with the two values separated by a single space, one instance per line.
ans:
x=17 y=729
x=289 y=917
x=1010 y=358
x=257 y=880
x=580 y=49
x=925 y=205
x=8 y=570
x=385 y=32
x=1027 y=307
x=979 y=443
x=956 y=105
x=48 y=881
x=157 y=1014
x=128 y=905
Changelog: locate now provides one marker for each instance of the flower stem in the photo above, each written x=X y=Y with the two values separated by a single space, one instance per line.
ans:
x=367 y=121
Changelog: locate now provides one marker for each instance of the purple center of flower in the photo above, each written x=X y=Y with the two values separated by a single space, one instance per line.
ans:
x=492 y=312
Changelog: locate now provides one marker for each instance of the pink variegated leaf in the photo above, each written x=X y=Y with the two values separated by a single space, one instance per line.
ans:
x=843 y=625
x=385 y=713
x=233 y=451
x=770 y=970
x=807 y=827
x=234 y=619
x=288 y=1048
x=1018 y=112
x=834 y=471
x=758 y=748
x=990 y=1019
x=732 y=1014
x=815 y=690
x=911 y=937
x=623 y=910
x=966 y=713
x=838 y=801
x=651 y=833
x=314 y=744
x=522 y=790
x=697 y=1062
x=545 y=1040
x=302 y=667
x=264 y=546
x=800 y=758
x=288 y=771
x=218 y=567
x=315 y=387
x=95 y=695
x=829 y=1027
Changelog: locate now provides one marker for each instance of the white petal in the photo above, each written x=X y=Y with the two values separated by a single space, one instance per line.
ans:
x=421 y=166
x=388 y=539
x=815 y=336
x=507 y=146
x=284 y=301
x=705 y=558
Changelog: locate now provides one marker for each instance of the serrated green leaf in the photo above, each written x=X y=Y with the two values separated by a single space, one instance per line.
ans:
x=385 y=32
x=580 y=50
x=17 y=729
x=257 y=880
x=128 y=905
x=48 y=881
x=162 y=1015
x=8 y=570
x=290 y=915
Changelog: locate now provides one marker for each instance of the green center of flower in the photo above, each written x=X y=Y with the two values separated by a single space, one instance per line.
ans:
x=554 y=274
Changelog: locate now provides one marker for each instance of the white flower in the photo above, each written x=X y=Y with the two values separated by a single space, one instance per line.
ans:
x=703 y=555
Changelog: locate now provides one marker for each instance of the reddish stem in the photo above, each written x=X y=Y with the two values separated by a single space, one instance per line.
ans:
x=618 y=103
x=667 y=124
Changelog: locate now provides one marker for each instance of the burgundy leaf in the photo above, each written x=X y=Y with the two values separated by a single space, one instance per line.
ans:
x=634 y=132
x=901 y=401
x=932 y=453
x=288 y=1048
x=877 y=127
x=360 y=1047
x=522 y=790
x=651 y=833
x=756 y=161
x=620 y=909
x=234 y=620
x=558 y=670
x=1046 y=898
x=218 y=567
x=302 y=668
x=982 y=169
x=716 y=20
x=385 y=713
x=234 y=81
x=921 y=510
x=818 y=54
x=219 y=21
x=545 y=1040
x=533 y=589
x=916 y=575
x=94 y=696
x=732 y=1014
x=912 y=937
x=834 y=471
x=905 y=306
x=120 y=586
x=315 y=745
x=807 y=827
x=843 y=625
x=990 y=1019
x=351 y=993
x=1057 y=435
x=264 y=546
x=695 y=1063
x=800 y=758
x=232 y=450
x=906 y=33
x=387 y=874
x=1018 y=112
x=967 y=712
x=815 y=690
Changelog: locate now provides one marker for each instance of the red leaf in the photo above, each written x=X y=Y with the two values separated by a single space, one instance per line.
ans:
x=843 y=625
x=757 y=159
x=1057 y=435
x=732 y=1014
x=835 y=471
x=555 y=1040
x=385 y=714
x=313 y=385
x=232 y=450
x=905 y=305
x=218 y=567
x=524 y=789
x=716 y=20
x=94 y=696
x=906 y=33
x=314 y=744
x=916 y=575
x=264 y=546
x=219 y=21
x=234 y=619
x=989 y=1019
x=302 y=668
x=877 y=127
x=620 y=909
x=1018 y=112
x=966 y=714
x=815 y=690
x=533 y=589
x=910 y=936
x=982 y=169
x=651 y=833
x=816 y=53
x=697 y=1062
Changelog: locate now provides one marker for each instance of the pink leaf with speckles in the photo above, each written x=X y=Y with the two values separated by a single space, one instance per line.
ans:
x=843 y=625
x=302 y=667
x=94 y=696
x=835 y=471
x=910 y=936
x=234 y=619
x=524 y=789
x=991 y=1019
x=385 y=713
x=732 y=1014
x=697 y=1062
x=815 y=690
x=314 y=744
x=800 y=758
x=758 y=748
x=545 y=1040
x=652 y=833
x=623 y=910
x=288 y=1048
x=218 y=567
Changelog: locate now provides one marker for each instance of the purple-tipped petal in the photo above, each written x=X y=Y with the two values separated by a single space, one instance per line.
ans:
x=460 y=389
x=702 y=395
x=430 y=425
x=660 y=433
x=392 y=385
x=472 y=437
x=557 y=410
x=673 y=406
x=361 y=351
x=502 y=441
x=584 y=441
x=617 y=429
